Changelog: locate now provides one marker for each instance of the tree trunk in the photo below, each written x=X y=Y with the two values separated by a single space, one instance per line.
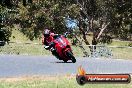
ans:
x=24 y=2
x=84 y=35
x=85 y=38
x=102 y=29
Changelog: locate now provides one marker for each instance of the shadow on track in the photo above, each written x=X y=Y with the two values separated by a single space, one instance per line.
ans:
x=61 y=62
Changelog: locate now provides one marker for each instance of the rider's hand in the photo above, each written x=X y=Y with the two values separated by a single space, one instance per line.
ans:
x=65 y=34
x=46 y=47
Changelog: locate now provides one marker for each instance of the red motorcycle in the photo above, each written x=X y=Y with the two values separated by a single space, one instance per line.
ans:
x=62 y=47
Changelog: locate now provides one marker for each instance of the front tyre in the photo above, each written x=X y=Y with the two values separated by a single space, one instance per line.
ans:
x=70 y=55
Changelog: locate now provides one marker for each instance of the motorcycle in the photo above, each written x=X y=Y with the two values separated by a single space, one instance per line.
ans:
x=63 y=49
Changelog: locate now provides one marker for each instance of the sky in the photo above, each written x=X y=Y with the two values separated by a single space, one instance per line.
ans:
x=71 y=23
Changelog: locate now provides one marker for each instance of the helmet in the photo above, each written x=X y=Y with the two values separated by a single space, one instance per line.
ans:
x=46 y=33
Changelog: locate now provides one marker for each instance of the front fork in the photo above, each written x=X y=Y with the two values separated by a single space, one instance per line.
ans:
x=66 y=50
x=55 y=53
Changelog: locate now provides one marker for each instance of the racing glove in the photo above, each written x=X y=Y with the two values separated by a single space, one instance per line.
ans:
x=46 y=47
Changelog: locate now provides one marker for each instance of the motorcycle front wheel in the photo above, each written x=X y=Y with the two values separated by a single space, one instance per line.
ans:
x=70 y=55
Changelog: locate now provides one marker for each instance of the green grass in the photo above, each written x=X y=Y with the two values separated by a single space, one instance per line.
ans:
x=122 y=53
x=32 y=49
x=125 y=53
x=24 y=49
x=18 y=36
x=120 y=43
x=54 y=82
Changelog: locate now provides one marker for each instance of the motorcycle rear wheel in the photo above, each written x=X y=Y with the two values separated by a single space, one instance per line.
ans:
x=65 y=61
x=70 y=55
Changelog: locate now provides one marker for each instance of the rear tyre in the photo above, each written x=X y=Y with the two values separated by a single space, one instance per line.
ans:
x=70 y=55
x=65 y=61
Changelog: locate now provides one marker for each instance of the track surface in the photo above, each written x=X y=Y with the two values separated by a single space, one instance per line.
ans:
x=18 y=65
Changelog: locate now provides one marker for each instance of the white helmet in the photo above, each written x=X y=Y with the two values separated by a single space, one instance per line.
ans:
x=46 y=33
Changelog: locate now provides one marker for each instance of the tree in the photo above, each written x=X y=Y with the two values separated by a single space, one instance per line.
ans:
x=5 y=31
x=25 y=2
x=103 y=18
x=7 y=3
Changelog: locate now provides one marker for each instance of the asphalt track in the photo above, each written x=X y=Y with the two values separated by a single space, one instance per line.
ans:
x=18 y=65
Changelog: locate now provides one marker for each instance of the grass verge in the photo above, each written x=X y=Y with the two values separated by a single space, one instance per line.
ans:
x=32 y=49
x=53 y=82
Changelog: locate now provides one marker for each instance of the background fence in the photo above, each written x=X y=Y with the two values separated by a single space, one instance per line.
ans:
x=101 y=51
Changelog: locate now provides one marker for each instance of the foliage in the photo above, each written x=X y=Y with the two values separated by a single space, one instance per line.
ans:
x=5 y=31
x=91 y=16
x=130 y=44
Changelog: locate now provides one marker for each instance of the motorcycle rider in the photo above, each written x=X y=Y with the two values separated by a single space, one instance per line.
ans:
x=47 y=40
